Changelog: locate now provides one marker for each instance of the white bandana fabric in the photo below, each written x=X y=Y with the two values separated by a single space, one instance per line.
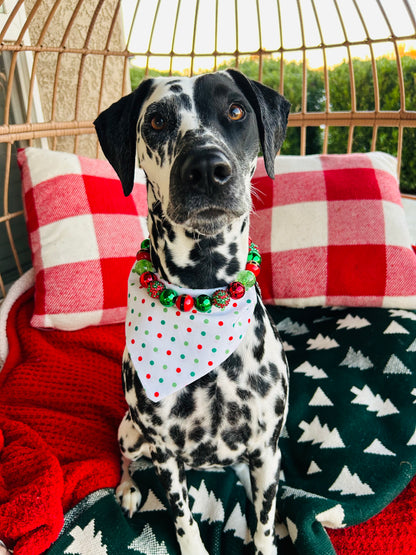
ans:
x=169 y=348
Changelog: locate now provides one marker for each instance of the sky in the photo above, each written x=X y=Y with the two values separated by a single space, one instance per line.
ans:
x=184 y=24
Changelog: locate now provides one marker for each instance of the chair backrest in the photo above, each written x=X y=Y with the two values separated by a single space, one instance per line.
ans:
x=63 y=61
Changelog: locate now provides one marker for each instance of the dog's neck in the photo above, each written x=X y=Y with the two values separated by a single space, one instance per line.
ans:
x=194 y=261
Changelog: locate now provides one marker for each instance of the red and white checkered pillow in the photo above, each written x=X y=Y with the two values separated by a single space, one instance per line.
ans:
x=84 y=234
x=332 y=231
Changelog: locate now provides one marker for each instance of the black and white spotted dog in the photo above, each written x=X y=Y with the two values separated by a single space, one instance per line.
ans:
x=197 y=140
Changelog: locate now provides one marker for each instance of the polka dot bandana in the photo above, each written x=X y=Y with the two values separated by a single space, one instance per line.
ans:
x=171 y=349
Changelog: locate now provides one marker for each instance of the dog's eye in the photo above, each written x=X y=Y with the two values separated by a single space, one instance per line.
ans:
x=236 y=112
x=158 y=122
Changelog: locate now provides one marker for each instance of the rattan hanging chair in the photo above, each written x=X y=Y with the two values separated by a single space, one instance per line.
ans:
x=64 y=61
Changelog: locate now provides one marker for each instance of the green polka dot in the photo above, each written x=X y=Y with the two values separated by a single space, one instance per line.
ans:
x=153 y=305
x=135 y=298
x=129 y=295
x=160 y=380
x=240 y=324
x=227 y=351
x=136 y=328
x=192 y=374
x=155 y=349
x=132 y=310
x=196 y=360
x=192 y=317
x=139 y=314
x=241 y=337
x=173 y=338
x=175 y=326
x=203 y=333
x=165 y=366
x=214 y=350
x=151 y=362
x=248 y=301
x=163 y=322
x=146 y=332
x=217 y=337
x=174 y=384
x=206 y=321
x=143 y=345
x=236 y=312
x=182 y=357
x=186 y=343
x=165 y=309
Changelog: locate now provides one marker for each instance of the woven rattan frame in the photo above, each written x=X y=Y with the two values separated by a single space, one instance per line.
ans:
x=88 y=32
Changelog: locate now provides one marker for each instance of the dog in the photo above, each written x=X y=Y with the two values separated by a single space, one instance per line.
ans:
x=197 y=140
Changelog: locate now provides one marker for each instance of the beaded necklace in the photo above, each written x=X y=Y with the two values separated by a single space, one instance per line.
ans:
x=245 y=279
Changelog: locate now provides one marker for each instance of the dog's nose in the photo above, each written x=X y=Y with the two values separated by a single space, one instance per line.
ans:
x=206 y=171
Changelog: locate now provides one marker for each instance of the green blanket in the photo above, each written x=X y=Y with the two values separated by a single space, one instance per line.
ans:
x=349 y=447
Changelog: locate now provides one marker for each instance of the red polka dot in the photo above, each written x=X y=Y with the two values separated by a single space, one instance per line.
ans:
x=189 y=330
x=156 y=394
x=178 y=313
x=133 y=341
x=235 y=305
x=140 y=359
x=143 y=301
x=168 y=352
x=129 y=323
x=210 y=363
x=230 y=338
x=149 y=318
x=199 y=347
x=249 y=320
x=178 y=370
x=220 y=323
x=159 y=335
x=194 y=311
x=148 y=376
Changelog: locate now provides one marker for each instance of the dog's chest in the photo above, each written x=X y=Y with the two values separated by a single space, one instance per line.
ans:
x=216 y=420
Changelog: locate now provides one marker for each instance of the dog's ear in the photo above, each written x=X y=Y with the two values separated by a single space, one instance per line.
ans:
x=116 y=128
x=272 y=111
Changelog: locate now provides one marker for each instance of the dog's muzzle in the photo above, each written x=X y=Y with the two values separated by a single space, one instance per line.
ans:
x=207 y=189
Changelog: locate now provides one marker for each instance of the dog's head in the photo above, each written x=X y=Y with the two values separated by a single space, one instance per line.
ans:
x=197 y=140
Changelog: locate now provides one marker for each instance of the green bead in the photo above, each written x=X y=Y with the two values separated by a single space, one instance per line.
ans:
x=247 y=278
x=203 y=303
x=145 y=245
x=143 y=266
x=168 y=297
x=254 y=257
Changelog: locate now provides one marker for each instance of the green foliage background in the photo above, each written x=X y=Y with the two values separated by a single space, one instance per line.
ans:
x=340 y=100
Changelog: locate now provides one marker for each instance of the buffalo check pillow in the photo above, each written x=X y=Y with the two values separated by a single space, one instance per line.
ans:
x=332 y=231
x=84 y=234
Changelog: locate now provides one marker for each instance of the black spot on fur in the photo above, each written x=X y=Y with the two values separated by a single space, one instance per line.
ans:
x=233 y=413
x=273 y=371
x=203 y=453
x=165 y=478
x=176 y=505
x=181 y=532
x=259 y=384
x=268 y=496
x=232 y=365
x=176 y=88
x=197 y=434
x=244 y=394
x=186 y=102
x=184 y=406
x=177 y=435
x=232 y=248
x=235 y=438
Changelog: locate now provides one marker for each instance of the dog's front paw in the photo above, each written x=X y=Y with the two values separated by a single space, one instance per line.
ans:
x=129 y=496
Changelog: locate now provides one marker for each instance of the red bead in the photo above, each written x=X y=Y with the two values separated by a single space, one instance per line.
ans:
x=236 y=290
x=253 y=267
x=185 y=302
x=143 y=255
x=146 y=278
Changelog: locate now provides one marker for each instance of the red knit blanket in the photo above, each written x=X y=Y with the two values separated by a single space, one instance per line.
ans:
x=60 y=405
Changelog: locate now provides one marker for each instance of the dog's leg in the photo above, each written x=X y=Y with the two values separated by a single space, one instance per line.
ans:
x=171 y=473
x=130 y=439
x=264 y=472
